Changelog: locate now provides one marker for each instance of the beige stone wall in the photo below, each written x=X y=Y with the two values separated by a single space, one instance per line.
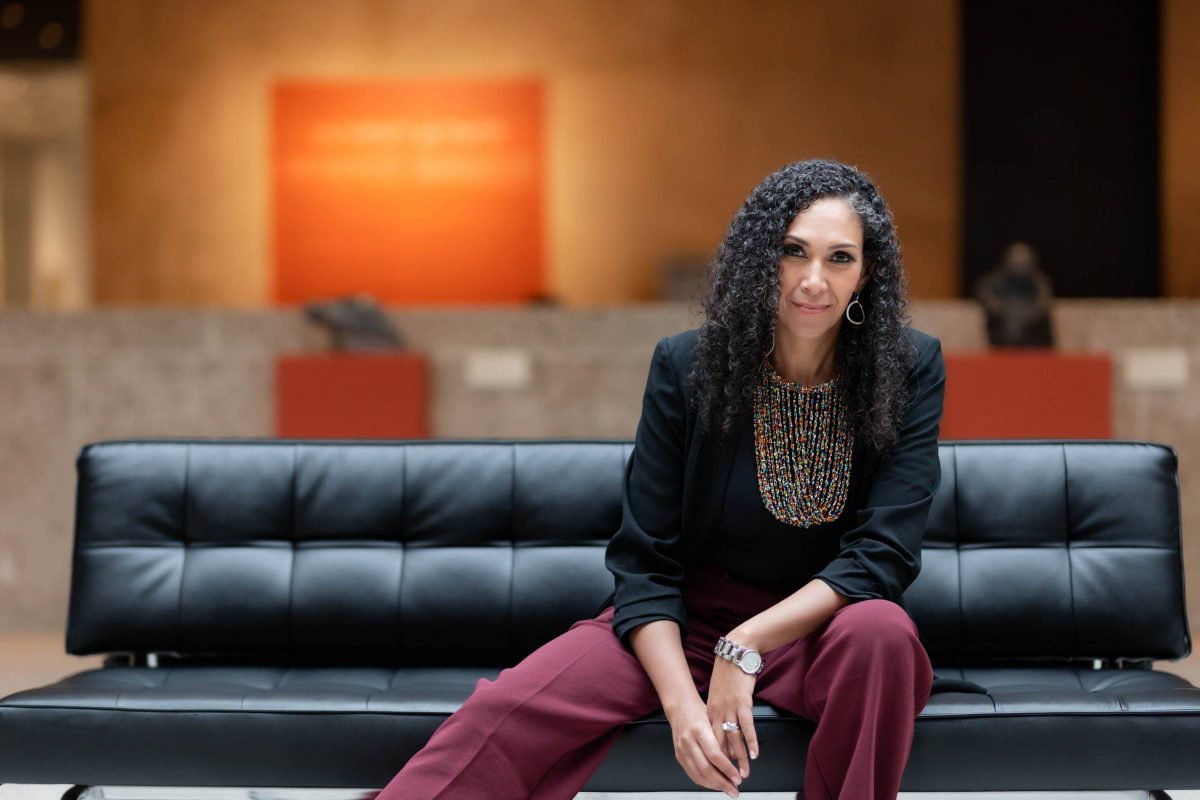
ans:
x=69 y=379
x=660 y=118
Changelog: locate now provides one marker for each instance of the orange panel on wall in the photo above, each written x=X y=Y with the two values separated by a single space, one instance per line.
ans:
x=416 y=191
x=351 y=396
x=1027 y=393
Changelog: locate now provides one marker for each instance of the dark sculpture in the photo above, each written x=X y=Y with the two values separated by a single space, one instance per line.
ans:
x=1017 y=298
x=357 y=323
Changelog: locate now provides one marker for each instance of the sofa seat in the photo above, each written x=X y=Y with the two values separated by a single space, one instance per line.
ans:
x=205 y=725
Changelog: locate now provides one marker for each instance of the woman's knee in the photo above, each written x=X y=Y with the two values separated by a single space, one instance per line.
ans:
x=876 y=624
x=880 y=632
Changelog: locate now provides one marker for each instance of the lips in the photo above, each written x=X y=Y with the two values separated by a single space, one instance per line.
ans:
x=804 y=308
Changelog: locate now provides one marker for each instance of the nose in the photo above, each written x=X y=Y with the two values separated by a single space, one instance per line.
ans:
x=813 y=280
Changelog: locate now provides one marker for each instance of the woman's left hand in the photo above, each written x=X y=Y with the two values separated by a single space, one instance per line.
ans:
x=730 y=698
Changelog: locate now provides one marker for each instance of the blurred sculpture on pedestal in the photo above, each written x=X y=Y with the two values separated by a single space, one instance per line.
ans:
x=1017 y=297
x=356 y=323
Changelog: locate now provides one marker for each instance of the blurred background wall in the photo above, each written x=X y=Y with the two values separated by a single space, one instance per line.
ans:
x=660 y=119
x=153 y=143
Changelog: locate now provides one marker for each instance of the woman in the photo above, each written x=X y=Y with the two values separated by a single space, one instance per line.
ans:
x=772 y=515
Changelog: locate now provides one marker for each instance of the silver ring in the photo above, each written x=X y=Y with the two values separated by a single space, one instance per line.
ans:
x=730 y=726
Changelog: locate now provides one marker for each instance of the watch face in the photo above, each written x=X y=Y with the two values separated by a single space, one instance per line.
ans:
x=751 y=662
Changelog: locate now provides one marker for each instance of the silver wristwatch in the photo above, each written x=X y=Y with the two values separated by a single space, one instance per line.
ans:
x=750 y=661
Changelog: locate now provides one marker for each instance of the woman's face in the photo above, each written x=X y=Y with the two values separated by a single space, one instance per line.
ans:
x=821 y=266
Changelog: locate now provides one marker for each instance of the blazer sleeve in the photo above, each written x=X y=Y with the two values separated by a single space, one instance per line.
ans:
x=644 y=554
x=881 y=555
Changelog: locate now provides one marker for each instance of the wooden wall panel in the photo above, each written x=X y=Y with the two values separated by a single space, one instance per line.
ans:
x=660 y=118
x=1181 y=157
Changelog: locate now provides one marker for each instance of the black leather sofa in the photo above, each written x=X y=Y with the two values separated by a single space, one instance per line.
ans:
x=305 y=613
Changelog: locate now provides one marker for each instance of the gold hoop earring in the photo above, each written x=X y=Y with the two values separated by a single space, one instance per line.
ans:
x=861 y=311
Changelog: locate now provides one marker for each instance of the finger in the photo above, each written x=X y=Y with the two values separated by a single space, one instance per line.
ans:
x=729 y=741
x=737 y=752
x=698 y=766
x=684 y=758
x=718 y=760
x=746 y=720
x=722 y=737
x=713 y=778
x=704 y=774
x=692 y=767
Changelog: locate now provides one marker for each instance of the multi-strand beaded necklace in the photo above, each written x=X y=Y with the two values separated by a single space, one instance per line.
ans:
x=803 y=444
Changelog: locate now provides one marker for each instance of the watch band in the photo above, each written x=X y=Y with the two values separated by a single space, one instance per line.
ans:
x=748 y=660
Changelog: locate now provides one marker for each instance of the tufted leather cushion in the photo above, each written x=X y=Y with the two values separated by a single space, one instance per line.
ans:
x=192 y=725
x=477 y=552
x=460 y=552
x=1038 y=551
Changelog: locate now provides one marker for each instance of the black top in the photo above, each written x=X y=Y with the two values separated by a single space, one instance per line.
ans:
x=676 y=477
x=753 y=545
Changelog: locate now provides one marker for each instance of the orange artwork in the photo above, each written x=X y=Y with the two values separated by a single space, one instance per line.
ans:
x=418 y=192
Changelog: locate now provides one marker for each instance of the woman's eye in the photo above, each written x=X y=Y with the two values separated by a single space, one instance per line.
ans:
x=791 y=250
x=849 y=259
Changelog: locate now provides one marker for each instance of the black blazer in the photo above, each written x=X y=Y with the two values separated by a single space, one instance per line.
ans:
x=675 y=480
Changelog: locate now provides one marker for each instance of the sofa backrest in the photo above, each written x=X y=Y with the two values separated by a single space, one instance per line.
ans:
x=454 y=551
x=1046 y=550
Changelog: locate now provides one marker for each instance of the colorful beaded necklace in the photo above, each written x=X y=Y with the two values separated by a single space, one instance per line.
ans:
x=803 y=446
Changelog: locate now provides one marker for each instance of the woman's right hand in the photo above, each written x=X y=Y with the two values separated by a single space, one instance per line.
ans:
x=697 y=749
x=659 y=647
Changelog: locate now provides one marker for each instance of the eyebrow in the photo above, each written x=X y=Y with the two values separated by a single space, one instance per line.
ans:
x=801 y=241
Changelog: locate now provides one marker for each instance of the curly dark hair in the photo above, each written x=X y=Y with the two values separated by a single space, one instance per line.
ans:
x=741 y=304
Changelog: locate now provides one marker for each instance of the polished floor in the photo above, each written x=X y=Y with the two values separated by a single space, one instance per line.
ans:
x=37 y=658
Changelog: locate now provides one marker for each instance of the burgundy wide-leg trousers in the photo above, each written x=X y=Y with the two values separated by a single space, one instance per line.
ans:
x=541 y=729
